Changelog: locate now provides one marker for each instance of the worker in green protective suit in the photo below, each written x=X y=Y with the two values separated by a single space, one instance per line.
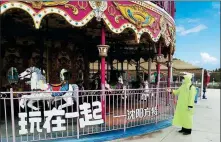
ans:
x=183 y=116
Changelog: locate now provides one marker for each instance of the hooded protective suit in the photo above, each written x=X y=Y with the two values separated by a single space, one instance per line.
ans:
x=183 y=116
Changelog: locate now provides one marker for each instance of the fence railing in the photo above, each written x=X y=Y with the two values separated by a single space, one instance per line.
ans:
x=35 y=116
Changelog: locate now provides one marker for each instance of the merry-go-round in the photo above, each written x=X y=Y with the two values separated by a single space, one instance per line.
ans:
x=58 y=78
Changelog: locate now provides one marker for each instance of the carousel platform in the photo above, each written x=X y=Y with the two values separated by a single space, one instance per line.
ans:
x=112 y=135
x=108 y=136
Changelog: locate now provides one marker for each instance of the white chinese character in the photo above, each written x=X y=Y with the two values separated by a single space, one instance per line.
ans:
x=128 y=115
x=137 y=113
x=146 y=112
x=86 y=111
x=141 y=113
x=154 y=111
x=131 y=114
x=22 y=123
x=71 y=115
x=96 y=111
x=58 y=122
x=34 y=120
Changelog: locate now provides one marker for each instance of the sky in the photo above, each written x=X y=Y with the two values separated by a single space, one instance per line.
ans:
x=198 y=33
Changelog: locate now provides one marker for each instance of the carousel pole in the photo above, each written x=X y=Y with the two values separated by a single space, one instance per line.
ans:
x=47 y=77
x=1 y=67
x=149 y=70
x=158 y=65
x=137 y=70
x=117 y=64
x=99 y=65
x=158 y=76
x=169 y=76
x=103 y=50
x=1 y=62
x=48 y=53
x=122 y=66
x=107 y=71
x=127 y=72
x=93 y=67
x=171 y=69
x=41 y=40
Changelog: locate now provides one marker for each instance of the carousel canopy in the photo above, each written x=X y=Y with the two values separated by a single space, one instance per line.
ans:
x=118 y=16
x=64 y=34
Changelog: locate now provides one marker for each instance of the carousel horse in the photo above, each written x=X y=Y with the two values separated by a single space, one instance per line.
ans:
x=146 y=93
x=65 y=75
x=96 y=83
x=38 y=83
x=120 y=86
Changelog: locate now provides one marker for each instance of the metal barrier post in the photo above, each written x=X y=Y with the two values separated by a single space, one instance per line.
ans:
x=157 y=101
x=12 y=114
x=125 y=110
x=78 y=131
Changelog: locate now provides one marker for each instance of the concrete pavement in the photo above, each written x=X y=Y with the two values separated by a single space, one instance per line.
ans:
x=206 y=127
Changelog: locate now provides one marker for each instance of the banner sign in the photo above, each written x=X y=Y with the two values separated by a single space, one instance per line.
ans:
x=91 y=117
x=141 y=113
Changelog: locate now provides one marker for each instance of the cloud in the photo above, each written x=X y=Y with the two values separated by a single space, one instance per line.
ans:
x=182 y=31
x=195 y=62
x=188 y=20
x=206 y=58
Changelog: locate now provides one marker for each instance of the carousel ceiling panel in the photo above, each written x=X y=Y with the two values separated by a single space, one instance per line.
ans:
x=140 y=17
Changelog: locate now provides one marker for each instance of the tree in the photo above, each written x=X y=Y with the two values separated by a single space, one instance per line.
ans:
x=215 y=75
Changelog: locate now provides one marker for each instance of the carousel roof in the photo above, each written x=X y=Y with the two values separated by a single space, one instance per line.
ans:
x=140 y=17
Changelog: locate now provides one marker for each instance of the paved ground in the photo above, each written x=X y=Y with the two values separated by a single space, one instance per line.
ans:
x=206 y=126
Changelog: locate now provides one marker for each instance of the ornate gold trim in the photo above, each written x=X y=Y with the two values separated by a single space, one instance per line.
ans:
x=111 y=10
x=136 y=14
x=82 y=6
x=117 y=17
x=156 y=9
x=39 y=4
x=74 y=8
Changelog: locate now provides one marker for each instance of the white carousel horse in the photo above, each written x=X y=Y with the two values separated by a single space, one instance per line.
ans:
x=38 y=82
x=120 y=85
x=35 y=76
x=147 y=91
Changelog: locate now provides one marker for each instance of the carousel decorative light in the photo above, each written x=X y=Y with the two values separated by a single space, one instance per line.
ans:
x=159 y=58
x=103 y=50
x=169 y=63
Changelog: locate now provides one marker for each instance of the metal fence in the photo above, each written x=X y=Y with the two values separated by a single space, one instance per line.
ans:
x=34 y=116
